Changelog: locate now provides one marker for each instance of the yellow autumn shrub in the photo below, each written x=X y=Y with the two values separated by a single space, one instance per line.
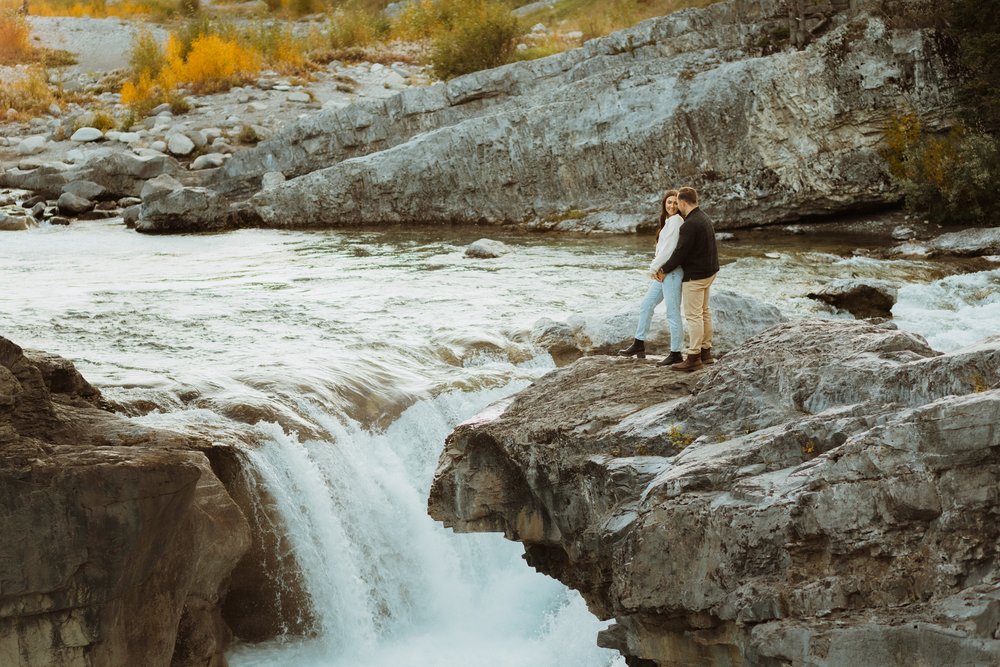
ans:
x=14 y=38
x=213 y=65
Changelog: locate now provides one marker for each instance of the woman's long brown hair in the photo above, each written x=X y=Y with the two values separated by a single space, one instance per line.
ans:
x=663 y=211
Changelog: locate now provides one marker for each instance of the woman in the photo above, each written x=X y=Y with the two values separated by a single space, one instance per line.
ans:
x=662 y=287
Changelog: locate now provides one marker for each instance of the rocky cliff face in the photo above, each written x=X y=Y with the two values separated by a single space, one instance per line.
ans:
x=118 y=539
x=720 y=98
x=826 y=494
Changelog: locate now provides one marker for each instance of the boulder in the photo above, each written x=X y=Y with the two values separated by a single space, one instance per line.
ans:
x=298 y=97
x=126 y=538
x=179 y=144
x=197 y=137
x=123 y=174
x=71 y=204
x=86 y=190
x=32 y=145
x=823 y=495
x=486 y=249
x=185 y=209
x=86 y=135
x=13 y=223
x=861 y=298
x=208 y=161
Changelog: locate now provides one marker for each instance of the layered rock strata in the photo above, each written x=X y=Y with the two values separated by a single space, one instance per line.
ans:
x=770 y=122
x=826 y=494
x=118 y=539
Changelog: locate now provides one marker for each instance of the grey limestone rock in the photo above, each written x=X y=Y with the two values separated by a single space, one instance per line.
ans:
x=208 y=161
x=182 y=209
x=825 y=494
x=179 y=144
x=678 y=99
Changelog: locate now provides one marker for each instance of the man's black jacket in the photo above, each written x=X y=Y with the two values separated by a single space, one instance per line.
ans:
x=696 y=252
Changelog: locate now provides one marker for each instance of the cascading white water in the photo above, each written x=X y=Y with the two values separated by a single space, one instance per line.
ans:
x=389 y=585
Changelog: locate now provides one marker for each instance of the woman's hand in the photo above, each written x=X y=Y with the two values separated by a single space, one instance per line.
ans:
x=658 y=276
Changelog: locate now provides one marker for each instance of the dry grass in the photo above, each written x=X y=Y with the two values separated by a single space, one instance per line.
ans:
x=159 y=9
x=28 y=95
x=595 y=18
x=15 y=38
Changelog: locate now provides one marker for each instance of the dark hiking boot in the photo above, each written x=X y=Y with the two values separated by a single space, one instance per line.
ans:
x=674 y=358
x=691 y=363
x=706 y=356
x=637 y=349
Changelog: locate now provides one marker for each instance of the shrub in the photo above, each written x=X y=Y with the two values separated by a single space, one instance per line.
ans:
x=277 y=45
x=145 y=56
x=190 y=7
x=14 y=38
x=355 y=27
x=28 y=94
x=948 y=178
x=482 y=39
x=214 y=64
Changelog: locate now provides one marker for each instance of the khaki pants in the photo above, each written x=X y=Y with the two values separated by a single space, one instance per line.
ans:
x=694 y=296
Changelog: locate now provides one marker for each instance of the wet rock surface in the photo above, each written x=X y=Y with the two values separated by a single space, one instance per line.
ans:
x=825 y=494
x=861 y=298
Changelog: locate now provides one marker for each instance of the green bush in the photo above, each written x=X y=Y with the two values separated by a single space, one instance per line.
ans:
x=482 y=39
x=355 y=27
x=145 y=56
x=947 y=178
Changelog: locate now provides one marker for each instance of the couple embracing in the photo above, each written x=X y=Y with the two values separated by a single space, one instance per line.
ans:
x=682 y=272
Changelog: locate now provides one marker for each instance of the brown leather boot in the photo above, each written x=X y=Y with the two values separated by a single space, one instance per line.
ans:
x=637 y=349
x=706 y=356
x=691 y=363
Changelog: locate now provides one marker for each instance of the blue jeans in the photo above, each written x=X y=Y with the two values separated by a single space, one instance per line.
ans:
x=670 y=292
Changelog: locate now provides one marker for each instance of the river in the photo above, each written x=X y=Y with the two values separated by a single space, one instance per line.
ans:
x=341 y=360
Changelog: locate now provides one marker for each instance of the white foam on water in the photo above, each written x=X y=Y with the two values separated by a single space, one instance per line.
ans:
x=952 y=312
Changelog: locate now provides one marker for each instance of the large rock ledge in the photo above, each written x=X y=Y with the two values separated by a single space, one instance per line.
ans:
x=118 y=540
x=838 y=504
x=770 y=128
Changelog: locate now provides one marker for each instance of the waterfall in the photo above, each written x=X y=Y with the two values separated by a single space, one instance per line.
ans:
x=388 y=585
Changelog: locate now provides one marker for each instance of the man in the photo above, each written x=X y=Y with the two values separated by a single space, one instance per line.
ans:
x=697 y=255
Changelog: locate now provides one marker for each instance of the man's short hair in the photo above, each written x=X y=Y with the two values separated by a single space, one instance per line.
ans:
x=689 y=195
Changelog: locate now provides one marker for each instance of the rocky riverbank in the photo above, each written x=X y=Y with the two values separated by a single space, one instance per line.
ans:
x=773 y=115
x=826 y=494
x=122 y=546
